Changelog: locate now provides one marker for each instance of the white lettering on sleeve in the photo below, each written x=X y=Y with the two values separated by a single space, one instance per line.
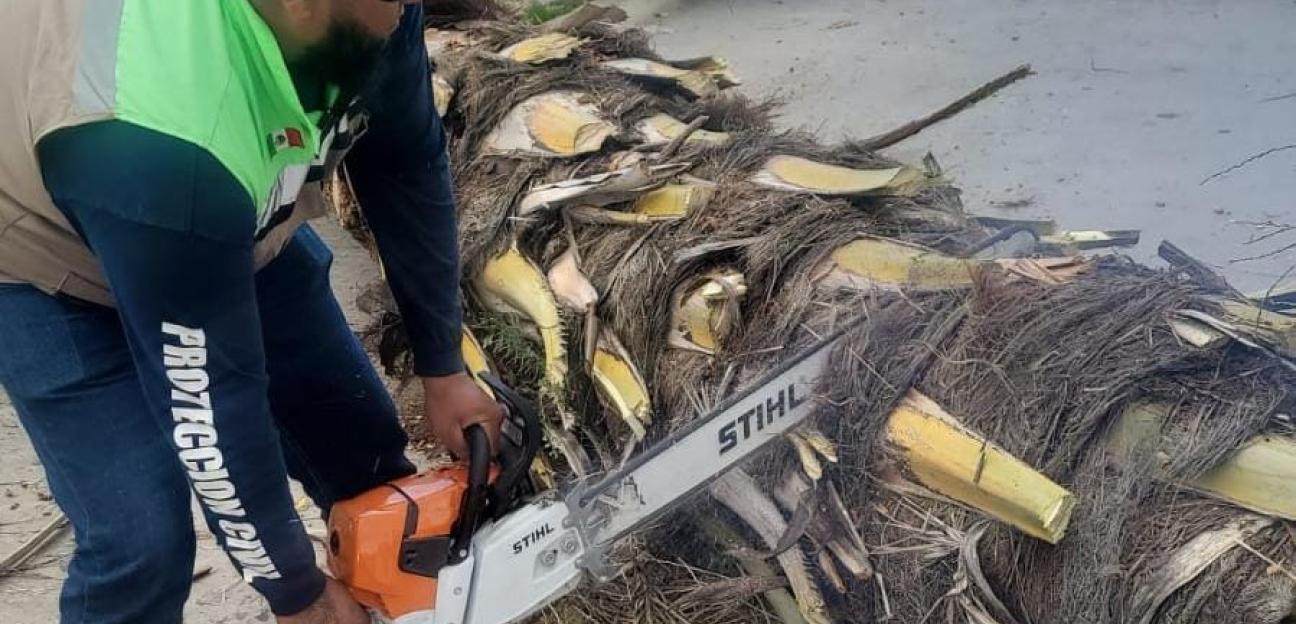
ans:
x=196 y=436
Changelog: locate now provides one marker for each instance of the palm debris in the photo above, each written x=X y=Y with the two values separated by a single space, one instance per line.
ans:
x=1021 y=424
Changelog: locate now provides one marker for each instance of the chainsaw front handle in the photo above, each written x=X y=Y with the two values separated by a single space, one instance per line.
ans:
x=475 y=498
x=519 y=443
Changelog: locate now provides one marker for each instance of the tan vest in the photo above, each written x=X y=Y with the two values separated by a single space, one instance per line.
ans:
x=52 y=66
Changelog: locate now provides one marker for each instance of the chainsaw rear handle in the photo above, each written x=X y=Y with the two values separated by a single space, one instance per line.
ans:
x=519 y=443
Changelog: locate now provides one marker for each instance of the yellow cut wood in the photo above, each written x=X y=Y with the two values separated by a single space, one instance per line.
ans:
x=1197 y=333
x=806 y=455
x=1138 y=430
x=542 y=49
x=715 y=67
x=1092 y=239
x=705 y=310
x=475 y=359
x=887 y=264
x=661 y=129
x=947 y=458
x=512 y=283
x=821 y=444
x=558 y=123
x=442 y=94
x=619 y=384
x=696 y=82
x=794 y=173
x=440 y=43
x=1078 y=236
x=1271 y=327
x=1259 y=476
x=676 y=200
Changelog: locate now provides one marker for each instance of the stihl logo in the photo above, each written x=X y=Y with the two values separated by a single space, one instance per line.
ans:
x=532 y=539
x=756 y=418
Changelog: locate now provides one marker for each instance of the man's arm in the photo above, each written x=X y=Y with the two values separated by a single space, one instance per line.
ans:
x=401 y=176
x=173 y=232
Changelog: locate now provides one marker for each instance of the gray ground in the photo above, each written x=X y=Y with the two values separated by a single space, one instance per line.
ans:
x=1134 y=104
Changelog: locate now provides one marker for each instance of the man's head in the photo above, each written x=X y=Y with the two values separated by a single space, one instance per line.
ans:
x=339 y=41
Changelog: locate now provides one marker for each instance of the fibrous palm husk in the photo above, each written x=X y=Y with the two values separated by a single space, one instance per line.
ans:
x=1039 y=356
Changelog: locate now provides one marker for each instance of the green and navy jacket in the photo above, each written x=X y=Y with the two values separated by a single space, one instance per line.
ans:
x=182 y=116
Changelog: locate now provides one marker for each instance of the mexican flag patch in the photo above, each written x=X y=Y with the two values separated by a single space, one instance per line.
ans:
x=288 y=138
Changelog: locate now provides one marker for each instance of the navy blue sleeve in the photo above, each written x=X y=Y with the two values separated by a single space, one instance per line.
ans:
x=400 y=173
x=173 y=232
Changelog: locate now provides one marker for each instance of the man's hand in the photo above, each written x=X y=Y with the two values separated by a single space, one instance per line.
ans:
x=452 y=403
x=334 y=606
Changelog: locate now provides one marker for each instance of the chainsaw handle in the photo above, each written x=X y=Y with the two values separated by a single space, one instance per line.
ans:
x=475 y=497
x=519 y=443
x=479 y=456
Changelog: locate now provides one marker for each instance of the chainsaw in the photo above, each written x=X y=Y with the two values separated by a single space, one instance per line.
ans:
x=476 y=544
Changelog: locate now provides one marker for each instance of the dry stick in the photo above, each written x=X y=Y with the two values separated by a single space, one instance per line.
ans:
x=1246 y=161
x=1275 y=229
x=34 y=544
x=1180 y=259
x=918 y=125
x=886 y=601
x=678 y=141
x=1268 y=254
x=1274 y=564
x=201 y=573
x=1276 y=98
x=570 y=232
x=582 y=17
x=594 y=215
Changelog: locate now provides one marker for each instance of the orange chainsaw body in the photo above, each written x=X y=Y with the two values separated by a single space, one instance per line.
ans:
x=389 y=544
x=366 y=535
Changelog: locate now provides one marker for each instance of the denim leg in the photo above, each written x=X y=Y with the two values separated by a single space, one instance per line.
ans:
x=68 y=372
x=338 y=424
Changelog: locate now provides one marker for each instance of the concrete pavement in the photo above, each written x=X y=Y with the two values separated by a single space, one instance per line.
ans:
x=1134 y=103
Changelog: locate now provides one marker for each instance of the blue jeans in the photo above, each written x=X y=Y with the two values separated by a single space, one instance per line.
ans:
x=113 y=469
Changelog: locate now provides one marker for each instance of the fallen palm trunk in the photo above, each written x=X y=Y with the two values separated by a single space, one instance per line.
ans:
x=705 y=253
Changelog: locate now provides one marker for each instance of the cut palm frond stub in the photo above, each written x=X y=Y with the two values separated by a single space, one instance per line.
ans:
x=559 y=123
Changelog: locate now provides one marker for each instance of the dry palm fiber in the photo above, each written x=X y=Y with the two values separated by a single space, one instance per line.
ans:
x=669 y=589
x=1043 y=372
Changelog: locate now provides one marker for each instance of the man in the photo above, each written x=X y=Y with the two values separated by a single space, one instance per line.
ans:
x=166 y=323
